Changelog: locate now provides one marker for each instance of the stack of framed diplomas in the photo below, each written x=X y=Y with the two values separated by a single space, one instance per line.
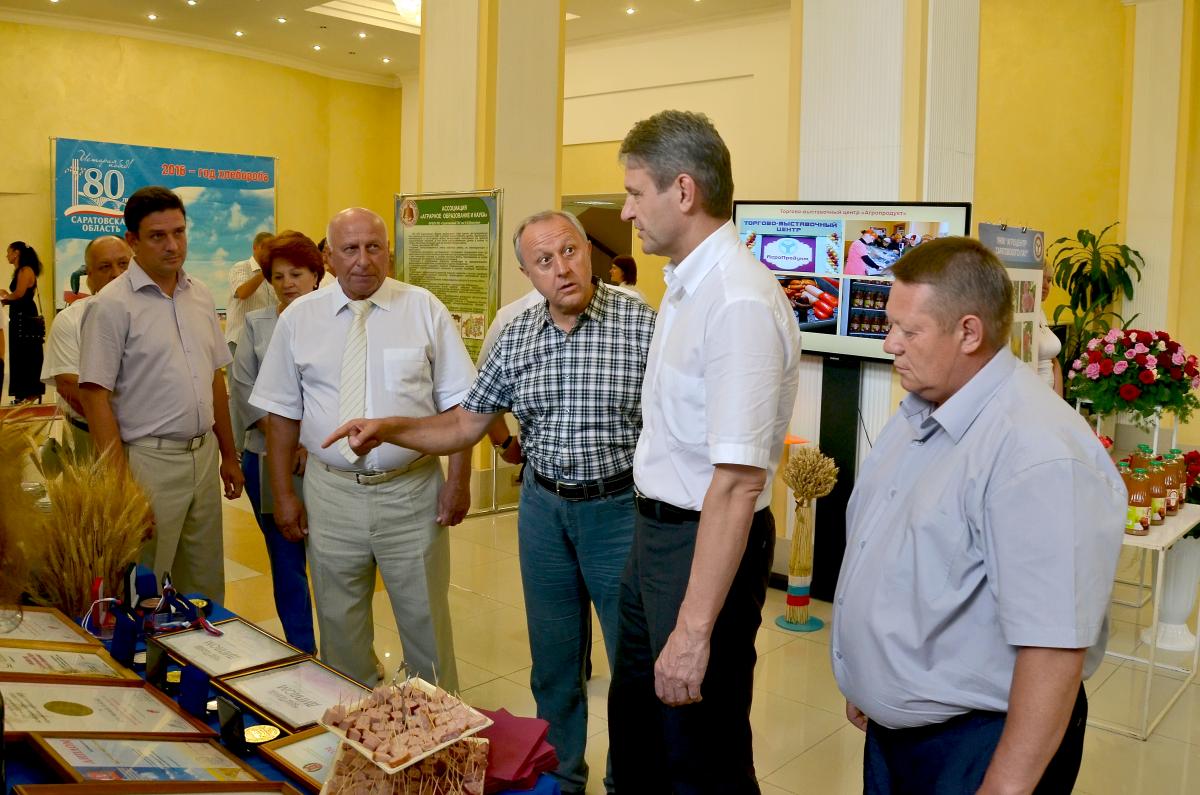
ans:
x=307 y=757
x=241 y=646
x=290 y=695
x=51 y=659
x=46 y=625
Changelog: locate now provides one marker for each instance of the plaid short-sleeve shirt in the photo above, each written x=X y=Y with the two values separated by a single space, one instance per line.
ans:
x=577 y=395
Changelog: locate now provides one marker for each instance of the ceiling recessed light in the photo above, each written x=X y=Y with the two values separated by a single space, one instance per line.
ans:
x=191 y=2
x=631 y=10
x=238 y=33
x=281 y=20
x=387 y=59
x=362 y=35
x=317 y=47
x=152 y=17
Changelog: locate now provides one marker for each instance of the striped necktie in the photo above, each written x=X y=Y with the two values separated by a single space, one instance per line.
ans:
x=352 y=402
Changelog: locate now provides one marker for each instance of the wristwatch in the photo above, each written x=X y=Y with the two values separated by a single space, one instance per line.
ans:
x=507 y=443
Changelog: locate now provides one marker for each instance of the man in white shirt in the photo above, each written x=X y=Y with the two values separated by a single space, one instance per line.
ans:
x=718 y=393
x=248 y=291
x=104 y=259
x=369 y=346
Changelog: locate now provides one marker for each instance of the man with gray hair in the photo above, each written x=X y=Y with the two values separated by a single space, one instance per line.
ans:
x=368 y=346
x=249 y=290
x=718 y=394
x=104 y=259
x=570 y=370
x=981 y=544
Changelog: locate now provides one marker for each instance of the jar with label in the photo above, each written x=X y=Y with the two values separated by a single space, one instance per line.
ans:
x=854 y=324
x=1137 y=518
x=1139 y=458
x=1158 y=493
x=1171 y=482
x=857 y=298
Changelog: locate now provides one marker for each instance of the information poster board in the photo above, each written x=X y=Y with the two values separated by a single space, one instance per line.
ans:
x=229 y=199
x=447 y=243
x=1023 y=253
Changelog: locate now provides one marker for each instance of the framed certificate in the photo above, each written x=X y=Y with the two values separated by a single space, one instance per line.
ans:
x=307 y=757
x=292 y=695
x=34 y=659
x=242 y=646
x=46 y=625
x=84 y=759
x=93 y=707
x=157 y=788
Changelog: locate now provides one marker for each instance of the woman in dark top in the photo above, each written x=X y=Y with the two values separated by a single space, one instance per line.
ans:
x=25 y=355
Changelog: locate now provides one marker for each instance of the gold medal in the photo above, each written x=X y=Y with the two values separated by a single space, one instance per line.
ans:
x=199 y=604
x=262 y=733
x=174 y=677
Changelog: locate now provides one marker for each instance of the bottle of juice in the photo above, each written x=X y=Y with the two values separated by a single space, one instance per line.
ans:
x=1139 y=458
x=1171 y=482
x=1137 y=522
x=1158 y=494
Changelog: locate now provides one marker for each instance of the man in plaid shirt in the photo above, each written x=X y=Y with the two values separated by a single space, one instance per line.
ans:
x=570 y=370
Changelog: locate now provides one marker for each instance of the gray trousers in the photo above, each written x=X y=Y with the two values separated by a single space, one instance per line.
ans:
x=354 y=529
x=184 y=489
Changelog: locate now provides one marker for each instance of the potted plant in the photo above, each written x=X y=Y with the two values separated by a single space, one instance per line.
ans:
x=1095 y=274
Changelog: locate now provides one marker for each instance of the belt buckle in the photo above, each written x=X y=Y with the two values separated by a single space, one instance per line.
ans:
x=195 y=443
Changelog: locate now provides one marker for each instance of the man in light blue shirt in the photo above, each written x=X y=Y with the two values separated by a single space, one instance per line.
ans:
x=982 y=541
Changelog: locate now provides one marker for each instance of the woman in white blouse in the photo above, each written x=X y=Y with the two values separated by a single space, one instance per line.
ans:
x=1048 y=343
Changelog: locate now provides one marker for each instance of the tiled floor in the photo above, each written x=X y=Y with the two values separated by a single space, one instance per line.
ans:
x=802 y=742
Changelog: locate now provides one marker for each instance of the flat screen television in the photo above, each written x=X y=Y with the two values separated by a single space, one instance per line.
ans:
x=834 y=259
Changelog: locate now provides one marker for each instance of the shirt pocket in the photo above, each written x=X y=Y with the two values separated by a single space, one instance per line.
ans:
x=405 y=370
x=683 y=406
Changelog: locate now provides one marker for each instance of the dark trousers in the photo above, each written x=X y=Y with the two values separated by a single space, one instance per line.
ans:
x=696 y=748
x=952 y=757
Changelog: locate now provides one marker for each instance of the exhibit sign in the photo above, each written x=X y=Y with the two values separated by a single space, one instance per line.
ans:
x=447 y=243
x=1022 y=250
x=229 y=199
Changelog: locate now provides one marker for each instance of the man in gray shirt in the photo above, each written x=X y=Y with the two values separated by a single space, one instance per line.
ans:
x=152 y=391
x=982 y=541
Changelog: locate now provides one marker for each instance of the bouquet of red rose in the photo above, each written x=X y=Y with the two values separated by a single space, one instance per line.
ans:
x=1142 y=372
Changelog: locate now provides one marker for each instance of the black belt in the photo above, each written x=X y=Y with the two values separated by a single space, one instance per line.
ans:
x=80 y=424
x=585 y=490
x=663 y=511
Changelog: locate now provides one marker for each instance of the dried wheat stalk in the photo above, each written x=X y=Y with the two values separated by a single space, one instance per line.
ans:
x=810 y=474
x=98 y=520
x=20 y=522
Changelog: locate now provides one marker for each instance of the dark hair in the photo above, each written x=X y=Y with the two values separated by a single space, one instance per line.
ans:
x=628 y=266
x=26 y=257
x=966 y=279
x=261 y=236
x=147 y=200
x=675 y=142
x=298 y=249
x=321 y=246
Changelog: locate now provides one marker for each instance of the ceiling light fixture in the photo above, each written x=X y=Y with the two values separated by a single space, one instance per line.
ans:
x=191 y=2
x=152 y=17
x=362 y=35
x=281 y=20
x=387 y=59
x=238 y=33
x=317 y=47
x=631 y=10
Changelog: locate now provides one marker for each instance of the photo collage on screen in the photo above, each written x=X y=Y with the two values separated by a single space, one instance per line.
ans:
x=834 y=263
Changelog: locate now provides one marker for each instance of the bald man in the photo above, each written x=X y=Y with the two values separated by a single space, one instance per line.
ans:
x=104 y=259
x=375 y=347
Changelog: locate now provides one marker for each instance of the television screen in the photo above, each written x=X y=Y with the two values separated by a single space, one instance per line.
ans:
x=834 y=261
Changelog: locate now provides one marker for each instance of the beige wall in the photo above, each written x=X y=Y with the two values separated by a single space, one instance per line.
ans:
x=337 y=142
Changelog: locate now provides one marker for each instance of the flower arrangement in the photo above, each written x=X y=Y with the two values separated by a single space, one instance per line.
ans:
x=1142 y=372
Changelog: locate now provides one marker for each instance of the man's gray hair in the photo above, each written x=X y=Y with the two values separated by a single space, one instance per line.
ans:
x=87 y=251
x=966 y=278
x=546 y=215
x=261 y=236
x=675 y=142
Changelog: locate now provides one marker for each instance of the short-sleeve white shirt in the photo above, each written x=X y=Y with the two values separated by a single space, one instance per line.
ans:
x=417 y=366
x=238 y=308
x=721 y=376
x=62 y=350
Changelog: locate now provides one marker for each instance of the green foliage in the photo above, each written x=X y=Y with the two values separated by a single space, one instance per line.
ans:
x=1095 y=275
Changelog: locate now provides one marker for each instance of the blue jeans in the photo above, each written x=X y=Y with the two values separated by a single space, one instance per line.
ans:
x=289 y=578
x=572 y=555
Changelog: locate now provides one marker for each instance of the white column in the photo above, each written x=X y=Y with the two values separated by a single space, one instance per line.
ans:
x=1153 y=140
x=951 y=94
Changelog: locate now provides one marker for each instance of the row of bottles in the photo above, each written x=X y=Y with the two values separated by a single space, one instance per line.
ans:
x=861 y=323
x=1155 y=488
x=868 y=299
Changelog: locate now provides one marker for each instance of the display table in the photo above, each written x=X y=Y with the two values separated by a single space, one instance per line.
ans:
x=23 y=767
x=1160 y=540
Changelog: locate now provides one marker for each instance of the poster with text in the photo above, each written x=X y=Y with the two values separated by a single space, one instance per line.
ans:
x=446 y=243
x=1022 y=251
x=229 y=199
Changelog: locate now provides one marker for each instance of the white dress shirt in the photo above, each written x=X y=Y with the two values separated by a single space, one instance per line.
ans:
x=505 y=315
x=262 y=297
x=416 y=366
x=721 y=376
x=62 y=350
